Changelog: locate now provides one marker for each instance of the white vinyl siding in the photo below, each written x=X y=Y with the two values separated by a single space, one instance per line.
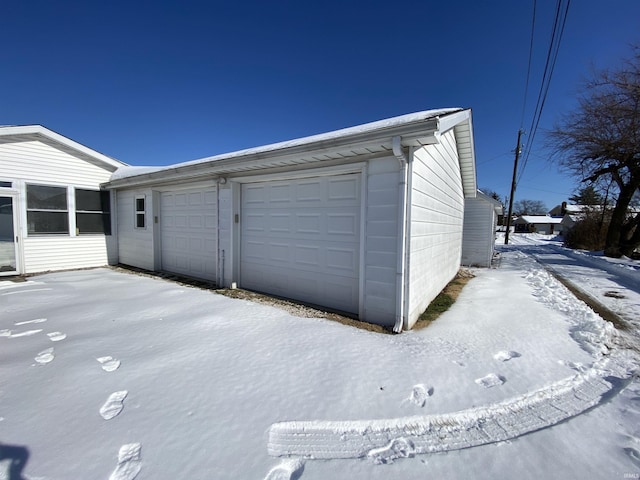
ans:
x=478 y=237
x=135 y=245
x=48 y=253
x=381 y=241
x=38 y=162
x=436 y=219
x=35 y=162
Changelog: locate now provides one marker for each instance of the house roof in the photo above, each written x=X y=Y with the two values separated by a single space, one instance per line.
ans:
x=497 y=205
x=49 y=137
x=413 y=130
x=539 y=219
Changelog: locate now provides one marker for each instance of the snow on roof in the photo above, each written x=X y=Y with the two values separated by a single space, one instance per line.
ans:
x=323 y=137
x=132 y=171
x=540 y=219
x=38 y=132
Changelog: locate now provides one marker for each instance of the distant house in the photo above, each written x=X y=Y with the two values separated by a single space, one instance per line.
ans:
x=366 y=220
x=571 y=214
x=543 y=224
x=479 y=234
x=53 y=214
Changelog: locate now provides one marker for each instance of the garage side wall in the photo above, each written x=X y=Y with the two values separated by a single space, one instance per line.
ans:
x=135 y=245
x=436 y=222
x=381 y=241
x=478 y=234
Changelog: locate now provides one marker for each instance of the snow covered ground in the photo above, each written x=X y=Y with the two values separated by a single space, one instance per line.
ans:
x=108 y=375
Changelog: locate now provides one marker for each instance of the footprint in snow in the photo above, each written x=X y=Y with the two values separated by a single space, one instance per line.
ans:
x=506 y=355
x=114 y=405
x=37 y=320
x=491 y=380
x=27 y=333
x=397 y=448
x=577 y=366
x=109 y=364
x=56 y=336
x=129 y=463
x=45 y=356
x=419 y=394
x=289 y=469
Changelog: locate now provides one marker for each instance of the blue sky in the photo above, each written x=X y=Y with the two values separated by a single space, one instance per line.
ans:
x=161 y=82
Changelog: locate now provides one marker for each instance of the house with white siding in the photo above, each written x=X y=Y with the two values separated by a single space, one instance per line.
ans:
x=479 y=232
x=543 y=224
x=53 y=213
x=366 y=220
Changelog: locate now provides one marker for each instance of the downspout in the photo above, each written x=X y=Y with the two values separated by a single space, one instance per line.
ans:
x=396 y=144
x=219 y=255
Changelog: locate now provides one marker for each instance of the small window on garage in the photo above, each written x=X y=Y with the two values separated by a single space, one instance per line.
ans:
x=6 y=184
x=141 y=212
x=93 y=212
x=47 y=211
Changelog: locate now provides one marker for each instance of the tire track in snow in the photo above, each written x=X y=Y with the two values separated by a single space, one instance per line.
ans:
x=386 y=440
x=383 y=441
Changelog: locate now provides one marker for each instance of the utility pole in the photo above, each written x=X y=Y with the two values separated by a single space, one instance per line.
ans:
x=513 y=187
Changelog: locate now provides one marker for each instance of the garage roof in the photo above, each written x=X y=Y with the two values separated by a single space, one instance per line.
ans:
x=415 y=129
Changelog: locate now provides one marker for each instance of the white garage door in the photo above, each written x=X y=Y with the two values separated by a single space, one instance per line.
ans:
x=300 y=239
x=188 y=232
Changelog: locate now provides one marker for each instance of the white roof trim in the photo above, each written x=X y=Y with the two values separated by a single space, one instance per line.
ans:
x=342 y=145
x=63 y=141
x=497 y=204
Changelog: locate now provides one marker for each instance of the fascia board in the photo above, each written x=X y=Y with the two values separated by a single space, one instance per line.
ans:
x=60 y=139
x=258 y=158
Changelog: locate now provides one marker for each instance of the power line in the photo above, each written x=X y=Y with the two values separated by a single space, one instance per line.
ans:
x=526 y=86
x=552 y=56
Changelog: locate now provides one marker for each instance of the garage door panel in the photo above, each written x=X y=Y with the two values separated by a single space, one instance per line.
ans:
x=309 y=191
x=309 y=223
x=323 y=257
x=188 y=226
x=280 y=223
x=301 y=239
x=341 y=259
x=343 y=189
x=342 y=223
x=310 y=287
x=307 y=255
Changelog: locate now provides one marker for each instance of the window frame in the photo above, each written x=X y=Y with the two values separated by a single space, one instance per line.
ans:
x=104 y=212
x=40 y=210
x=140 y=214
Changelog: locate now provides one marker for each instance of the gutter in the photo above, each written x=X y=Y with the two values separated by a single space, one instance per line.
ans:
x=293 y=152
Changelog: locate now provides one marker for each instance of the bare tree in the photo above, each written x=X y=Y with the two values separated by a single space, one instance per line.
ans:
x=599 y=141
x=529 y=207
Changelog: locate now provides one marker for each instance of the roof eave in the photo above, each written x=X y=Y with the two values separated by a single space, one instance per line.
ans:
x=412 y=134
x=61 y=140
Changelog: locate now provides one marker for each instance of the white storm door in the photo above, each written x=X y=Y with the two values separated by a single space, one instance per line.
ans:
x=8 y=236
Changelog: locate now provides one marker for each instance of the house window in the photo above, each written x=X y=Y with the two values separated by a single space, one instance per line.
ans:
x=4 y=184
x=93 y=212
x=47 y=211
x=140 y=212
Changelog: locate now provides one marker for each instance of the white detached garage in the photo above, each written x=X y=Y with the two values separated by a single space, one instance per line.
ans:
x=366 y=220
x=479 y=234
